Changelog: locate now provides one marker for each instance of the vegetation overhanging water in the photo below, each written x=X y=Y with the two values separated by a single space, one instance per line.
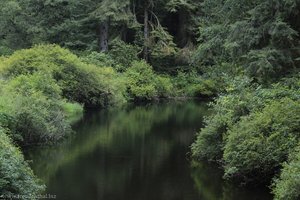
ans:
x=140 y=152
x=59 y=58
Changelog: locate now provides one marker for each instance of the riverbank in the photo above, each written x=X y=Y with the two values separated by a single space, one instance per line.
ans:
x=253 y=134
x=42 y=88
x=135 y=152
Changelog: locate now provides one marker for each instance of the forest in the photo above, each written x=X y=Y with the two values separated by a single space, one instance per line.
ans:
x=59 y=58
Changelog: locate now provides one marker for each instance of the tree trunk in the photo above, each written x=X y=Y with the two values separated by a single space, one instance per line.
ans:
x=103 y=37
x=146 y=32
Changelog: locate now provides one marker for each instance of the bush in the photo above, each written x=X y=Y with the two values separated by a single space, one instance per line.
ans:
x=79 y=81
x=286 y=187
x=72 y=109
x=164 y=86
x=114 y=85
x=191 y=84
x=185 y=83
x=45 y=58
x=141 y=81
x=144 y=84
x=16 y=178
x=260 y=142
x=83 y=85
x=241 y=100
x=30 y=108
x=28 y=85
x=227 y=110
x=210 y=140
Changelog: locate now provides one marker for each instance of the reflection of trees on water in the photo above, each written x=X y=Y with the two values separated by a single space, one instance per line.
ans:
x=210 y=185
x=111 y=149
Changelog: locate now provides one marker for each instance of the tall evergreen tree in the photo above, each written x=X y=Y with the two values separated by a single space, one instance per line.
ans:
x=260 y=35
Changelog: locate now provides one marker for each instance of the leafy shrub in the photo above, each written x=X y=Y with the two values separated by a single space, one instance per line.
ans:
x=260 y=142
x=79 y=81
x=16 y=178
x=45 y=58
x=191 y=84
x=144 y=84
x=30 y=108
x=287 y=186
x=227 y=110
x=183 y=83
x=241 y=100
x=208 y=88
x=114 y=85
x=72 y=109
x=82 y=84
x=209 y=142
x=141 y=81
x=29 y=85
x=164 y=86
x=7 y=123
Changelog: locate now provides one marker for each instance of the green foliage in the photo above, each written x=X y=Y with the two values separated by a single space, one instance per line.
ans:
x=76 y=25
x=116 y=10
x=144 y=84
x=72 y=109
x=210 y=50
x=190 y=84
x=227 y=110
x=141 y=81
x=161 y=42
x=72 y=24
x=120 y=56
x=123 y=54
x=241 y=44
x=164 y=86
x=174 y=5
x=209 y=142
x=79 y=81
x=16 y=177
x=82 y=84
x=286 y=187
x=266 y=64
x=252 y=130
x=44 y=58
x=114 y=85
x=13 y=25
x=261 y=36
x=185 y=83
x=98 y=59
x=30 y=106
x=260 y=142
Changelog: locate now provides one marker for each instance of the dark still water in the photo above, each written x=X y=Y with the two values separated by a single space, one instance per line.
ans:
x=137 y=153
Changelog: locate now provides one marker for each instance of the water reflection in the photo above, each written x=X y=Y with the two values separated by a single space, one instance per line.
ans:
x=137 y=153
x=210 y=185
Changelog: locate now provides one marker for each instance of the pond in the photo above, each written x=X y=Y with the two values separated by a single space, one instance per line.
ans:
x=135 y=153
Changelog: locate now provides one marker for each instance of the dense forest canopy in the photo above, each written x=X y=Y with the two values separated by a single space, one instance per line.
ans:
x=157 y=28
x=262 y=36
x=59 y=56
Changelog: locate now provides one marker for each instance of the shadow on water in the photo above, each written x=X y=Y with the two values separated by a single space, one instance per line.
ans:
x=135 y=153
x=210 y=185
